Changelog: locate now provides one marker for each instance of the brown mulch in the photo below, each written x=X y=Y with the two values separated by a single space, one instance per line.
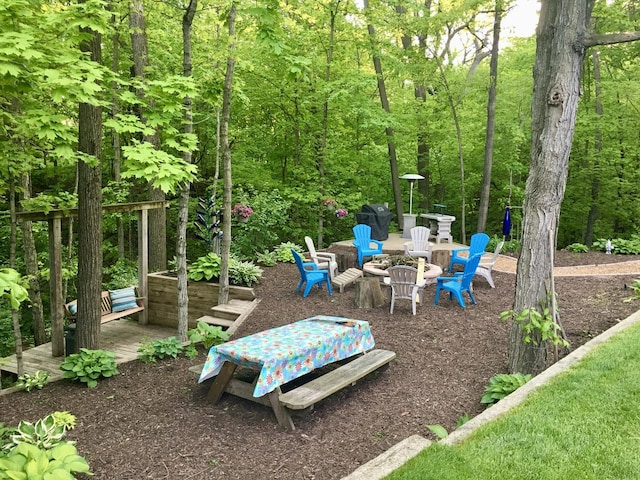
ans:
x=153 y=421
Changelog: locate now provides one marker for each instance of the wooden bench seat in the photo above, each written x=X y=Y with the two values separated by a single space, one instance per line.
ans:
x=312 y=392
x=105 y=309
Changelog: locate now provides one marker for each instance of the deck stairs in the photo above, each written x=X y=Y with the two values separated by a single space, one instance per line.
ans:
x=231 y=315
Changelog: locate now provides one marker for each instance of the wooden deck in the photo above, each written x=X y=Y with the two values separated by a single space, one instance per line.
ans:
x=123 y=337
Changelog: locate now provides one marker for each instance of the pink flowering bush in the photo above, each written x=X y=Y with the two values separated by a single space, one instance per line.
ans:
x=243 y=211
x=341 y=213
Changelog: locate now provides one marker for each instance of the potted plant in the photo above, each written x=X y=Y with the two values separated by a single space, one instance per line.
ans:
x=242 y=212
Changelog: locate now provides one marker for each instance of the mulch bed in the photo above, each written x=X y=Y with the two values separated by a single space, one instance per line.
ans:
x=153 y=421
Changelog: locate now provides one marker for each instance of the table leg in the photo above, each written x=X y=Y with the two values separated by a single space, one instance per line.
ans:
x=284 y=419
x=221 y=381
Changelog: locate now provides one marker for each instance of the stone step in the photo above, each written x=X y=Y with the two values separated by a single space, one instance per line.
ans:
x=232 y=310
x=216 y=321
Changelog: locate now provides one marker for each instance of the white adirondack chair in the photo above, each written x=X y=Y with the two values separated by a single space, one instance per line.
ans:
x=405 y=284
x=419 y=246
x=486 y=265
x=324 y=260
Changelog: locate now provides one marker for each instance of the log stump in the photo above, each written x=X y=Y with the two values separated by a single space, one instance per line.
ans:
x=369 y=293
x=441 y=258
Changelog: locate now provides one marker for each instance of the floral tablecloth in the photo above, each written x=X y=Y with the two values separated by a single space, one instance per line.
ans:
x=293 y=350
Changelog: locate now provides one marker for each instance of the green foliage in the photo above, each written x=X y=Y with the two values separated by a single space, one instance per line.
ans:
x=150 y=352
x=502 y=385
x=266 y=258
x=29 y=462
x=635 y=286
x=7 y=342
x=244 y=273
x=208 y=335
x=46 y=433
x=438 y=430
x=577 y=248
x=29 y=382
x=88 y=366
x=538 y=326
x=12 y=287
x=283 y=252
x=121 y=274
x=205 y=268
x=621 y=246
x=510 y=246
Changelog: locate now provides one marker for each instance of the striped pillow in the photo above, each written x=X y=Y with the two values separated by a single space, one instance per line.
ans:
x=123 y=299
x=73 y=308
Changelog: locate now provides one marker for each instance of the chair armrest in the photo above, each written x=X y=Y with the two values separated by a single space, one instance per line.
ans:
x=377 y=242
x=421 y=283
x=326 y=255
x=455 y=251
x=309 y=266
x=406 y=247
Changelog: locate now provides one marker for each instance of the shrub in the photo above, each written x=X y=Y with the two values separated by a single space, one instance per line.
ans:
x=502 y=385
x=577 y=248
x=244 y=273
x=29 y=382
x=46 y=433
x=208 y=335
x=88 y=366
x=27 y=461
x=159 y=349
x=620 y=245
x=205 y=268
x=267 y=258
x=283 y=252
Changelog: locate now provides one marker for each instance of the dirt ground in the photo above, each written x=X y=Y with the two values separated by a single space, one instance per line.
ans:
x=153 y=421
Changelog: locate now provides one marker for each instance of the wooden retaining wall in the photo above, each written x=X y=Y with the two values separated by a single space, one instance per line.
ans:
x=162 y=301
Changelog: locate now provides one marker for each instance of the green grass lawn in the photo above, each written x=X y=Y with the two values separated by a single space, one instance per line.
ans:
x=584 y=424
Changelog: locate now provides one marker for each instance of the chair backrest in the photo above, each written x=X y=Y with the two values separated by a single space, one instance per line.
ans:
x=299 y=261
x=402 y=279
x=494 y=257
x=420 y=238
x=478 y=243
x=470 y=270
x=362 y=234
x=312 y=249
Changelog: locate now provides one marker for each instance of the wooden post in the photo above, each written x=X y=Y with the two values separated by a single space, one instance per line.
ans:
x=55 y=289
x=143 y=264
x=369 y=293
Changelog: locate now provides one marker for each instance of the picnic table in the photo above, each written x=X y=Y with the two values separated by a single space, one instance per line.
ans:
x=285 y=353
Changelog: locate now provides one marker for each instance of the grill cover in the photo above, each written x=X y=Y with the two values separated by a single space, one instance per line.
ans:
x=378 y=217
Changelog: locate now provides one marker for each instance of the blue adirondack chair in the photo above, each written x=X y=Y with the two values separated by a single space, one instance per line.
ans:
x=366 y=246
x=478 y=243
x=460 y=282
x=310 y=275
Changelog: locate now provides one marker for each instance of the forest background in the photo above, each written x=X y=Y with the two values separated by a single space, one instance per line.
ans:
x=307 y=124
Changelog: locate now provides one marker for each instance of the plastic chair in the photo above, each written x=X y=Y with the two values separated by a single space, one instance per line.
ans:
x=310 y=275
x=460 y=282
x=419 y=246
x=363 y=242
x=486 y=266
x=478 y=243
x=405 y=285
x=323 y=260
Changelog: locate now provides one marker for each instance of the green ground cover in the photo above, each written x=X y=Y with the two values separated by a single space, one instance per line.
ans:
x=584 y=424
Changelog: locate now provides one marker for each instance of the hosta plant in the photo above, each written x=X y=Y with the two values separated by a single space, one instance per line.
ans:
x=88 y=366
x=208 y=335
x=29 y=462
x=159 y=349
x=29 y=382
x=502 y=385
x=46 y=433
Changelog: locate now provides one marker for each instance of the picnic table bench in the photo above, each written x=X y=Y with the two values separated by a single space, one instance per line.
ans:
x=309 y=344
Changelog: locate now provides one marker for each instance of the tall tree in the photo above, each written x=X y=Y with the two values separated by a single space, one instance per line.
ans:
x=183 y=210
x=562 y=41
x=89 y=210
x=223 y=295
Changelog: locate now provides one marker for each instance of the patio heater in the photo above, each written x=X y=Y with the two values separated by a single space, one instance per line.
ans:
x=409 y=221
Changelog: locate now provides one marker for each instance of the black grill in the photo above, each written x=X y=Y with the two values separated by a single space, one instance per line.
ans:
x=378 y=217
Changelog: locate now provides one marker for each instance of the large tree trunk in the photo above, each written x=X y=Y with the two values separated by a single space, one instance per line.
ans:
x=183 y=209
x=491 y=121
x=158 y=216
x=90 y=215
x=15 y=315
x=557 y=70
x=223 y=295
x=384 y=100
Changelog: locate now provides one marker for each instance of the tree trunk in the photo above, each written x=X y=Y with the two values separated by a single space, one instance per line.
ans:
x=15 y=314
x=183 y=210
x=158 y=216
x=491 y=121
x=558 y=67
x=90 y=214
x=391 y=146
x=223 y=295
x=595 y=180
x=31 y=266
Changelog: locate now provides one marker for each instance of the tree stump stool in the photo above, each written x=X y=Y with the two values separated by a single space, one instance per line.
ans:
x=346 y=260
x=441 y=258
x=369 y=293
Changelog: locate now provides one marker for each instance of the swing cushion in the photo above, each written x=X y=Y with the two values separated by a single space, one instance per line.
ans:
x=73 y=308
x=123 y=299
